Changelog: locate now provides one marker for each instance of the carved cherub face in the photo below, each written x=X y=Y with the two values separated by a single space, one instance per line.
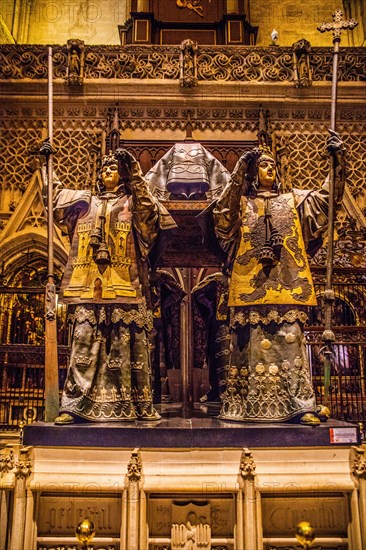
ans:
x=266 y=174
x=110 y=176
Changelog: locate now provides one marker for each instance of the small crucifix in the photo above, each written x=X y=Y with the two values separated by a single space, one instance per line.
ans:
x=338 y=25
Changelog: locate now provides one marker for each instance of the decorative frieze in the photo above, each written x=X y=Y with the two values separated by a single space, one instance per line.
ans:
x=75 y=63
x=60 y=515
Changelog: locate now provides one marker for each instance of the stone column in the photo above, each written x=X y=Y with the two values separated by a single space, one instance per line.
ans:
x=239 y=528
x=143 y=528
x=6 y=485
x=22 y=470
x=30 y=530
x=359 y=471
x=124 y=522
x=248 y=473
x=134 y=470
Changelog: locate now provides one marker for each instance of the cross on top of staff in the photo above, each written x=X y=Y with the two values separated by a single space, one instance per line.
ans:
x=338 y=25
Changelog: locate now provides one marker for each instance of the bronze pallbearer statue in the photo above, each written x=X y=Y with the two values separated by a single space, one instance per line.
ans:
x=267 y=236
x=106 y=283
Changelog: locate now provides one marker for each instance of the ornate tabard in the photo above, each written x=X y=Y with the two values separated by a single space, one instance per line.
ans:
x=86 y=281
x=287 y=279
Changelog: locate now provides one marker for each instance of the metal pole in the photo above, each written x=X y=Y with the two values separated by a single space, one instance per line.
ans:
x=186 y=347
x=51 y=358
x=328 y=336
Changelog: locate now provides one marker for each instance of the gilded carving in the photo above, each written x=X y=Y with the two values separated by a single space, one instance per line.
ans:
x=193 y=5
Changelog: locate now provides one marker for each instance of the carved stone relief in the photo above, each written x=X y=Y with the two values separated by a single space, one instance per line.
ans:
x=327 y=514
x=59 y=515
x=217 y=512
x=213 y=63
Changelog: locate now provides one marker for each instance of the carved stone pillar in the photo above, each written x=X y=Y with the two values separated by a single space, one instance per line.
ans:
x=248 y=473
x=22 y=470
x=30 y=530
x=134 y=470
x=143 y=544
x=6 y=465
x=359 y=471
x=124 y=519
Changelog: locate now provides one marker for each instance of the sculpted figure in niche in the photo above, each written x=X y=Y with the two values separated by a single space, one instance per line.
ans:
x=74 y=62
x=267 y=236
x=106 y=283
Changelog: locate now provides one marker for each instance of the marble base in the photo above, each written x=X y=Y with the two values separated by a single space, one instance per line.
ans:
x=199 y=431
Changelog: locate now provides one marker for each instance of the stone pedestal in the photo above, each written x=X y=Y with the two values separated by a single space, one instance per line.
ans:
x=249 y=484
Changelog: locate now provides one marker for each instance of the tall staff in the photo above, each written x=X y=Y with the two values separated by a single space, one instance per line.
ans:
x=51 y=358
x=328 y=336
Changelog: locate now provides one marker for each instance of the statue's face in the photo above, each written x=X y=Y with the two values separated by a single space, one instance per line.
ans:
x=266 y=174
x=110 y=176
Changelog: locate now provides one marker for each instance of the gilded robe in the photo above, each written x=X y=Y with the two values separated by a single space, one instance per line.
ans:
x=109 y=375
x=269 y=376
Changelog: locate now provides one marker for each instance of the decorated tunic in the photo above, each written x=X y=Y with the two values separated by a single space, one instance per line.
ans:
x=267 y=238
x=106 y=282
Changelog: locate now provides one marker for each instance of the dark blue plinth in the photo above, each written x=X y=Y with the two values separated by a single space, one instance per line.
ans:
x=200 y=431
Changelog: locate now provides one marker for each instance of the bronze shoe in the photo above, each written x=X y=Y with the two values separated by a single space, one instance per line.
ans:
x=64 y=419
x=309 y=419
